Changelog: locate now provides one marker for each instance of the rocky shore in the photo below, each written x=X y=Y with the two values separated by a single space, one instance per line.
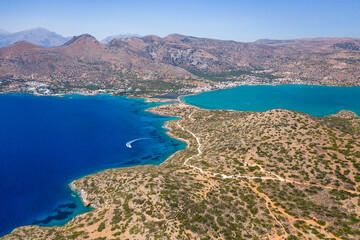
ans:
x=82 y=194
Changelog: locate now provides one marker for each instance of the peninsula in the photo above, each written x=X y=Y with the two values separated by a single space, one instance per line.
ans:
x=277 y=174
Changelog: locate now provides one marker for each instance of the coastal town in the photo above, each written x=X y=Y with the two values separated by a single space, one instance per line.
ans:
x=51 y=89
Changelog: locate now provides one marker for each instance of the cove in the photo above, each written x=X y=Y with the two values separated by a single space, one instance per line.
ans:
x=47 y=142
x=314 y=100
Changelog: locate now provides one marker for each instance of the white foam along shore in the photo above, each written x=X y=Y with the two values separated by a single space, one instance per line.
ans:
x=82 y=195
x=128 y=144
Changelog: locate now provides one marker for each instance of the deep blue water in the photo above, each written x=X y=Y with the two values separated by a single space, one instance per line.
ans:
x=314 y=100
x=46 y=142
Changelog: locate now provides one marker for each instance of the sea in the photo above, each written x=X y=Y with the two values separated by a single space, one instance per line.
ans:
x=47 y=142
x=315 y=100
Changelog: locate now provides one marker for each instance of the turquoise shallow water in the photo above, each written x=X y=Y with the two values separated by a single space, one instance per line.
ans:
x=46 y=142
x=314 y=100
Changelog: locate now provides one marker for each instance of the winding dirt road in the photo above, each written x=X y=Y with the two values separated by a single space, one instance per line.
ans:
x=270 y=204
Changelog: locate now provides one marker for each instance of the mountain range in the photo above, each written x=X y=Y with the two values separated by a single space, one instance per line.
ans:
x=3 y=32
x=38 y=36
x=45 y=38
x=182 y=60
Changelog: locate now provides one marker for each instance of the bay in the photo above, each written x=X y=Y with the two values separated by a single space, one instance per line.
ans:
x=314 y=100
x=47 y=142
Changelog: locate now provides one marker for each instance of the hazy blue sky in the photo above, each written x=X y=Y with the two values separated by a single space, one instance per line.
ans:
x=224 y=19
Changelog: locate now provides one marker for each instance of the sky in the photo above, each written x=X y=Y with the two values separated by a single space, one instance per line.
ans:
x=221 y=19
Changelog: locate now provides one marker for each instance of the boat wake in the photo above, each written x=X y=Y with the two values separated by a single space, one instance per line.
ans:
x=128 y=144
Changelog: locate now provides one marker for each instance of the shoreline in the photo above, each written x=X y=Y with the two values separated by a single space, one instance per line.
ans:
x=83 y=195
x=183 y=94
x=178 y=100
x=173 y=136
x=71 y=183
x=356 y=112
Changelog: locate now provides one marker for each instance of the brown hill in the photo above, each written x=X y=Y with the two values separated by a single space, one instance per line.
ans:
x=84 y=47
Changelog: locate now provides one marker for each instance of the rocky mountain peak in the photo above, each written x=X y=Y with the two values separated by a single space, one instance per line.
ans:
x=84 y=38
